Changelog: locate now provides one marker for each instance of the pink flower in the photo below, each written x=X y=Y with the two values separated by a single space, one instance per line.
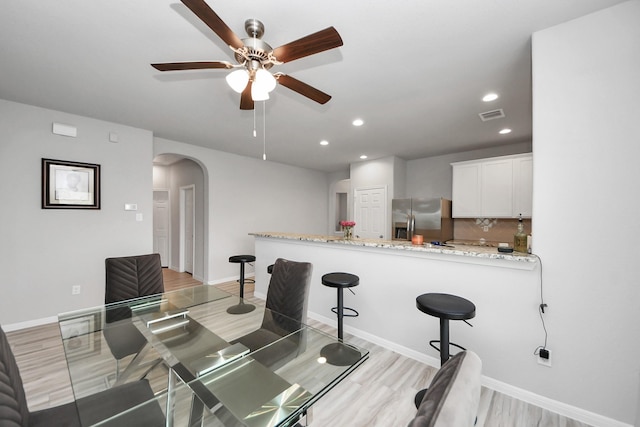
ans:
x=348 y=223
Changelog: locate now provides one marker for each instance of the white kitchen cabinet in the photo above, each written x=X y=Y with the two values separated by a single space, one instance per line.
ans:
x=466 y=190
x=498 y=187
x=523 y=186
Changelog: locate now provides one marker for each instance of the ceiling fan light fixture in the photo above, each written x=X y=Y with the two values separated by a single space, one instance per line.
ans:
x=264 y=80
x=257 y=94
x=238 y=80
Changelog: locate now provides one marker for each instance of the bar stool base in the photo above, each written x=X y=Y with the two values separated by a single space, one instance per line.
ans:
x=241 y=308
x=340 y=354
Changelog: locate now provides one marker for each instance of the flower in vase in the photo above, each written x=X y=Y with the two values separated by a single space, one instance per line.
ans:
x=347 y=227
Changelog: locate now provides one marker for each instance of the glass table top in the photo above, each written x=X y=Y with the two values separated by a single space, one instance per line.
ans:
x=213 y=356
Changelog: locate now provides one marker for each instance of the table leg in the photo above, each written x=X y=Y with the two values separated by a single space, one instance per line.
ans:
x=170 y=397
x=133 y=365
x=197 y=409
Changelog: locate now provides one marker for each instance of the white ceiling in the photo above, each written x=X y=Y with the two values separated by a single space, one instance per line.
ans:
x=413 y=70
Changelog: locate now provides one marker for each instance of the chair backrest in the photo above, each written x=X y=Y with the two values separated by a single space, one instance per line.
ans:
x=288 y=295
x=13 y=403
x=453 y=396
x=131 y=277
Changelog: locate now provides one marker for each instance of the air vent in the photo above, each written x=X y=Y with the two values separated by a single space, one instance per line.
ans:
x=490 y=115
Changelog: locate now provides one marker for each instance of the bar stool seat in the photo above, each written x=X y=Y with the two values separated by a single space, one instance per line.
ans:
x=446 y=307
x=241 y=307
x=340 y=354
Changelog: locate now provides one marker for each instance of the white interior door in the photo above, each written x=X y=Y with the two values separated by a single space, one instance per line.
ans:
x=370 y=210
x=161 y=221
x=187 y=222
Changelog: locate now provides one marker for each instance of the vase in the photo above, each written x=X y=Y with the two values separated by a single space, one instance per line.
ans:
x=348 y=233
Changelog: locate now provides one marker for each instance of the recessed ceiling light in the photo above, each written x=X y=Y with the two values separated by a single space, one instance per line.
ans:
x=358 y=122
x=324 y=142
x=490 y=97
x=363 y=157
x=505 y=131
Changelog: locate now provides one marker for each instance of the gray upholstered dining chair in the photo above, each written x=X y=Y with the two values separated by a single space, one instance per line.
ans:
x=287 y=302
x=126 y=278
x=453 y=396
x=92 y=409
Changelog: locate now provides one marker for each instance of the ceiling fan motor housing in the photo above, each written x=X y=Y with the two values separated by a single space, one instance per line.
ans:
x=254 y=50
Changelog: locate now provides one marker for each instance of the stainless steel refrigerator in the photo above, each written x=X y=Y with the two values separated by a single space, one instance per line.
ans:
x=430 y=218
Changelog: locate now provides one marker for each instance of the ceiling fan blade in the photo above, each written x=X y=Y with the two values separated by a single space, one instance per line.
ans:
x=303 y=89
x=173 y=66
x=246 y=101
x=309 y=45
x=209 y=17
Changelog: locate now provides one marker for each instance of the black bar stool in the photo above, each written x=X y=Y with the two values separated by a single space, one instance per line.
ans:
x=241 y=307
x=446 y=307
x=340 y=354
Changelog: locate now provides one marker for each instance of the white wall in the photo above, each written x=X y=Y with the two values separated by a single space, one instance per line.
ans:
x=45 y=252
x=586 y=147
x=247 y=195
x=433 y=176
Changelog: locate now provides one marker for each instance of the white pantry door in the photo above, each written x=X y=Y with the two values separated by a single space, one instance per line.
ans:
x=370 y=213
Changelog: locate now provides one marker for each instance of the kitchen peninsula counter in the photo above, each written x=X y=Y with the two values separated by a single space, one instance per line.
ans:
x=505 y=289
x=467 y=253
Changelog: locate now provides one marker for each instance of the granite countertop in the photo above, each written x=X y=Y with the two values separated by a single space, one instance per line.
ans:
x=476 y=251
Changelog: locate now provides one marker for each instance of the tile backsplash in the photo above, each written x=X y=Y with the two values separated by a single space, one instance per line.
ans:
x=497 y=230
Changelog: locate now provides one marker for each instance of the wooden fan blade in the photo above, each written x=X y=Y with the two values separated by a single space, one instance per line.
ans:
x=209 y=17
x=309 y=45
x=246 y=101
x=303 y=89
x=173 y=66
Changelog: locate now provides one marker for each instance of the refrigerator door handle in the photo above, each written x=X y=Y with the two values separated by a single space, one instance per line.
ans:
x=413 y=227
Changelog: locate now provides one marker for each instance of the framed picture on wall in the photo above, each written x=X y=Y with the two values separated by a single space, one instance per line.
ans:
x=70 y=185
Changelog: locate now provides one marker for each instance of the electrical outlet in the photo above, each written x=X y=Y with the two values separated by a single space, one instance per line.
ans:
x=75 y=290
x=542 y=360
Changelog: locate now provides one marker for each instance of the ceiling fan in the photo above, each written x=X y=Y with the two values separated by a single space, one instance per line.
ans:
x=255 y=57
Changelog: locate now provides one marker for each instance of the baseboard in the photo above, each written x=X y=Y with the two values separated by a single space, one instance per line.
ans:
x=569 y=411
x=29 y=324
x=555 y=406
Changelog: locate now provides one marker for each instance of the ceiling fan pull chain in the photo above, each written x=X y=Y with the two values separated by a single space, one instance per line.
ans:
x=264 y=130
x=255 y=134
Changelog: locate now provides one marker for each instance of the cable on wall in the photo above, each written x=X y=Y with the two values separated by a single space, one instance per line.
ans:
x=541 y=308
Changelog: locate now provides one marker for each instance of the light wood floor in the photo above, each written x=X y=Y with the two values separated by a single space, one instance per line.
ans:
x=378 y=394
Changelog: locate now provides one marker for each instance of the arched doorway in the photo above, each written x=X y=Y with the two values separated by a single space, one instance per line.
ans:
x=173 y=177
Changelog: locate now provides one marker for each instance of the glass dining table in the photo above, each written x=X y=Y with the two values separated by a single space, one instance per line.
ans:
x=193 y=355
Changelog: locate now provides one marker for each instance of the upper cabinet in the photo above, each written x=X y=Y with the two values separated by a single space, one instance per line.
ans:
x=498 y=187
